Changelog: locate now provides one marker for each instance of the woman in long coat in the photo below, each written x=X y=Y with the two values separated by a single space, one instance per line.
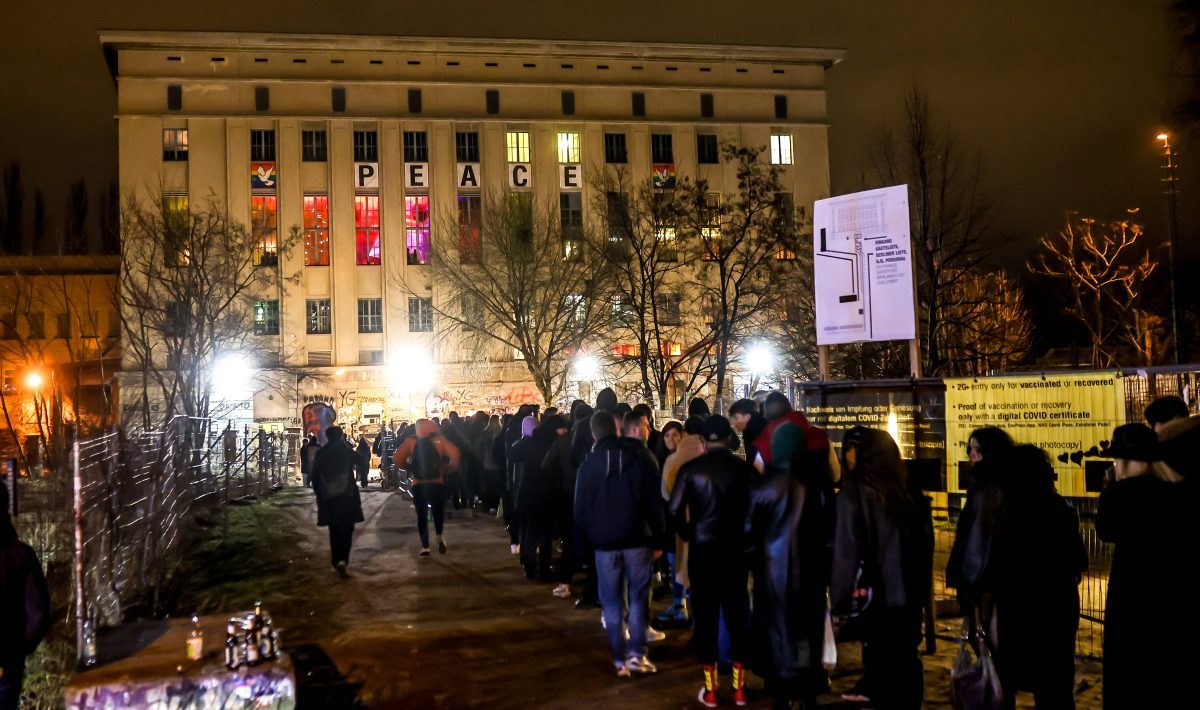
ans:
x=338 y=502
x=789 y=529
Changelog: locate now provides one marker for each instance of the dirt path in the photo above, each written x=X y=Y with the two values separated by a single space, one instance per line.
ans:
x=466 y=629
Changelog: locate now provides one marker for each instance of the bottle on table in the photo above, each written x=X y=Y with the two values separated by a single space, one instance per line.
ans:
x=195 y=641
x=253 y=650
x=231 y=654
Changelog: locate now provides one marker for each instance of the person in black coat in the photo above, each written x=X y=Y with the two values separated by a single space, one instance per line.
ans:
x=882 y=567
x=362 y=460
x=538 y=493
x=24 y=606
x=789 y=531
x=564 y=457
x=1036 y=563
x=338 y=503
x=1149 y=514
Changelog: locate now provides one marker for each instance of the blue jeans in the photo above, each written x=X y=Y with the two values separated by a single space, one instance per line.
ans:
x=617 y=570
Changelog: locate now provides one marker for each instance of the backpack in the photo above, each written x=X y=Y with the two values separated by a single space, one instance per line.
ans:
x=426 y=461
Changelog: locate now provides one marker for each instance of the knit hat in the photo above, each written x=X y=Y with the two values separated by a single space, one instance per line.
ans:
x=787 y=443
x=528 y=424
x=716 y=428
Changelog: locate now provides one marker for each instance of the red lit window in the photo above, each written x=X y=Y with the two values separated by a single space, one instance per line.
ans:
x=672 y=349
x=264 y=230
x=366 y=229
x=416 y=228
x=316 y=230
x=470 y=243
x=621 y=350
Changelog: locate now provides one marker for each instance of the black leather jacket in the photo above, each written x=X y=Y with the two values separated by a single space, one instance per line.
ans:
x=711 y=497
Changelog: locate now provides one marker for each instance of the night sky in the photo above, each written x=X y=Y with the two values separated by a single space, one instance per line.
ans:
x=1061 y=98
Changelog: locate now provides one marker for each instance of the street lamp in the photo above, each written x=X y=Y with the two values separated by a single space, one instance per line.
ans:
x=587 y=368
x=34 y=380
x=760 y=359
x=1168 y=167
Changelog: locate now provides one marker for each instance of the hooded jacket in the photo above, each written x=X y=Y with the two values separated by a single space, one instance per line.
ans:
x=710 y=499
x=606 y=401
x=538 y=486
x=616 y=496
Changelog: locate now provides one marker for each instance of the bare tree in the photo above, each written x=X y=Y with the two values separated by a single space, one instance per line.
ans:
x=194 y=285
x=749 y=243
x=988 y=328
x=511 y=280
x=951 y=217
x=660 y=339
x=1102 y=270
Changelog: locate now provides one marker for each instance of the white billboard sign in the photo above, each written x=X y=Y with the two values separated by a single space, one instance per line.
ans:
x=863 y=268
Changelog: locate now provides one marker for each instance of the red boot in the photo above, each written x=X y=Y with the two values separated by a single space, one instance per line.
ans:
x=708 y=692
x=739 y=684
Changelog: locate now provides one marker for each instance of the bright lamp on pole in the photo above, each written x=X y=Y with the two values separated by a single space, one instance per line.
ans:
x=587 y=367
x=34 y=380
x=231 y=375
x=760 y=358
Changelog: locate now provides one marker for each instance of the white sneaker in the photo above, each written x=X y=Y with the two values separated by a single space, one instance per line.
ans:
x=622 y=669
x=640 y=664
x=562 y=591
x=653 y=635
x=515 y=549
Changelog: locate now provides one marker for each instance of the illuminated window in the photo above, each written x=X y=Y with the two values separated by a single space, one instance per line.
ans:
x=470 y=237
x=518 y=146
x=416 y=147
x=264 y=230
x=314 y=146
x=711 y=308
x=671 y=349
x=570 y=210
x=370 y=315
x=621 y=311
x=668 y=243
x=710 y=233
x=626 y=350
x=466 y=146
x=262 y=145
x=575 y=305
x=316 y=230
x=614 y=149
x=366 y=230
x=420 y=315
x=416 y=228
x=176 y=229
x=568 y=147
x=317 y=318
x=781 y=149
x=366 y=147
x=175 y=145
x=266 y=318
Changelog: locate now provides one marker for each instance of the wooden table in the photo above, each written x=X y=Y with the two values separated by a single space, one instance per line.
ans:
x=145 y=665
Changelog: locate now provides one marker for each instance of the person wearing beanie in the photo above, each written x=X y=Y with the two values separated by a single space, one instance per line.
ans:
x=789 y=531
x=538 y=490
x=709 y=503
x=429 y=458
x=777 y=409
x=24 y=606
x=338 y=504
x=1148 y=512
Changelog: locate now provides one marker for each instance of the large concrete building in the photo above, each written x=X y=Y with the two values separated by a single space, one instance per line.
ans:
x=366 y=143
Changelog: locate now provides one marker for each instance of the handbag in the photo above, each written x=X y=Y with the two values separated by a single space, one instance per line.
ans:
x=974 y=683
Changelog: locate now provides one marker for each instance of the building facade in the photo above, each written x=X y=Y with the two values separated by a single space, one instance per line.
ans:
x=367 y=144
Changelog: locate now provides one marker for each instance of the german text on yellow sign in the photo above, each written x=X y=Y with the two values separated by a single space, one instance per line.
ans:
x=1062 y=414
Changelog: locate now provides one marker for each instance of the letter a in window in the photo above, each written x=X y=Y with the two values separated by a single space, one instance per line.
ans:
x=468 y=175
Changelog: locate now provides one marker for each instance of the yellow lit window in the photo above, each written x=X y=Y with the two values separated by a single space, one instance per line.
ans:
x=781 y=149
x=568 y=147
x=518 y=146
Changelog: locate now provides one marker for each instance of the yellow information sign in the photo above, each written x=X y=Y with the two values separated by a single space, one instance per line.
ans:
x=1061 y=413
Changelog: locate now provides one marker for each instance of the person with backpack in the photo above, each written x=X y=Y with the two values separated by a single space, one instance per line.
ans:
x=24 y=606
x=428 y=457
x=338 y=503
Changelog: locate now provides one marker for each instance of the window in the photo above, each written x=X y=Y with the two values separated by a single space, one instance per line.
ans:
x=366 y=230
x=472 y=311
x=337 y=97
x=706 y=105
x=414 y=101
x=781 y=149
x=639 y=104
x=518 y=146
x=710 y=233
x=614 y=148
x=668 y=310
x=668 y=242
x=262 y=145
x=470 y=222
x=790 y=309
x=366 y=146
x=575 y=305
x=262 y=100
x=622 y=311
x=314 y=146
x=416 y=147
x=317 y=316
x=264 y=230
x=316 y=230
x=89 y=326
x=568 y=147
x=175 y=145
x=62 y=325
x=320 y=358
x=174 y=97
x=37 y=325
x=707 y=152
x=176 y=229
x=466 y=146
x=781 y=110
x=786 y=208
x=671 y=349
x=711 y=308
x=420 y=315
x=416 y=228
x=175 y=319
x=570 y=208
x=493 y=101
x=660 y=148
x=568 y=103
x=370 y=357
x=266 y=318
x=370 y=315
